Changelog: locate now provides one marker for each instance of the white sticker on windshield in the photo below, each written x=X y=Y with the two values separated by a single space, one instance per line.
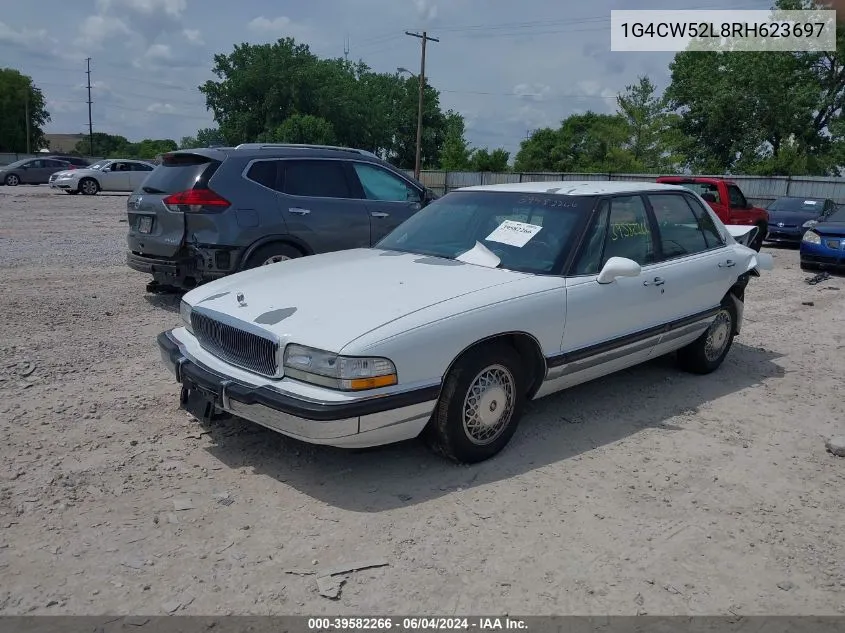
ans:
x=811 y=202
x=513 y=233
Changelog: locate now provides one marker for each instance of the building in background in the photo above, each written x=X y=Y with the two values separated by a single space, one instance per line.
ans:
x=63 y=143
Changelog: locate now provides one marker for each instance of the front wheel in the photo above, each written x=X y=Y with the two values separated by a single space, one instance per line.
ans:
x=12 y=180
x=762 y=231
x=707 y=352
x=480 y=405
x=89 y=187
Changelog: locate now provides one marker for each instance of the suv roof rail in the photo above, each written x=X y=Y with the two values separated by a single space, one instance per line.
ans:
x=303 y=146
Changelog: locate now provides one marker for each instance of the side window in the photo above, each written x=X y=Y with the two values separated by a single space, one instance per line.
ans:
x=629 y=233
x=679 y=230
x=380 y=184
x=35 y=164
x=706 y=224
x=264 y=173
x=141 y=167
x=589 y=261
x=316 y=178
x=738 y=200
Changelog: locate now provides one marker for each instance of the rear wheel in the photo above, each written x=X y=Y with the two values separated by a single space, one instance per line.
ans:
x=72 y=192
x=12 y=180
x=707 y=352
x=272 y=254
x=89 y=186
x=480 y=405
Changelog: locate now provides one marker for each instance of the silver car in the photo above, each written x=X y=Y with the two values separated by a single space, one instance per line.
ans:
x=105 y=175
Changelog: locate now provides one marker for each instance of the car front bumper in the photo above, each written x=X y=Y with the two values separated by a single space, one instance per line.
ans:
x=365 y=422
x=829 y=255
x=785 y=235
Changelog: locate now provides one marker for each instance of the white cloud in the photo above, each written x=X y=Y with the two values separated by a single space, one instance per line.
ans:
x=426 y=10
x=174 y=8
x=95 y=30
x=266 y=25
x=161 y=108
x=193 y=36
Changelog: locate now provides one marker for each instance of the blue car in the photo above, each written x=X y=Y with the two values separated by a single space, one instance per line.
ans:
x=790 y=217
x=823 y=246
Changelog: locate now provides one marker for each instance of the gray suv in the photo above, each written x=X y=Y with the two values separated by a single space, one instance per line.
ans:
x=206 y=213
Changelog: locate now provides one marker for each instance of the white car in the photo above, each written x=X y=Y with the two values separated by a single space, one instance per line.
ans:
x=105 y=175
x=487 y=298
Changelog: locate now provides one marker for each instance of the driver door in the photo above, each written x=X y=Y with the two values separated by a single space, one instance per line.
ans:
x=611 y=325
x=390 y=200
x=116 y=177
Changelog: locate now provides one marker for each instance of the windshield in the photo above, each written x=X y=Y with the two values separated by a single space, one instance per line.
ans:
x=16 y=164
x=527 y=232
x=837 y=216
x=810 y=206
x=98 y=165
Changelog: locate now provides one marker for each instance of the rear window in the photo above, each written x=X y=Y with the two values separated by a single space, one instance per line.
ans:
x=180 y=172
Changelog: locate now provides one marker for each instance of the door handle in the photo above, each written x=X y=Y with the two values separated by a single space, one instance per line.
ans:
x=728 y=264
x=298 y=211
x=379 y=214
x=657 y=281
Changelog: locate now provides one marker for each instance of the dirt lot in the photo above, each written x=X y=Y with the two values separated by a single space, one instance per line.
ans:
x=647 y=492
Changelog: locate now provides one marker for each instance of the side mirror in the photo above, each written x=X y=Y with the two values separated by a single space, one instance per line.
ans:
x=618 y=267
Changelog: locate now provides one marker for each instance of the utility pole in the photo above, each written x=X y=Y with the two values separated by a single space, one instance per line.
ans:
x=90 y=123
x=346 y=48
x=26 y=114
x=424 y=38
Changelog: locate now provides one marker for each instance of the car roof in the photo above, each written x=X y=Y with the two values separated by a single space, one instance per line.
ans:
x=576 y=187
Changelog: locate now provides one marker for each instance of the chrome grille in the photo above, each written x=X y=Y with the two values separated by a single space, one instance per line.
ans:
x=236 y=346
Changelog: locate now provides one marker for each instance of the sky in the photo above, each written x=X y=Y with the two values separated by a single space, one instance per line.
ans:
x=508 y=67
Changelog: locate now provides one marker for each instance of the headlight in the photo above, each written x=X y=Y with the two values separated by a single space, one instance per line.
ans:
x=346 y=373
x=809 y=224
x=811 y=237
x=185 y=312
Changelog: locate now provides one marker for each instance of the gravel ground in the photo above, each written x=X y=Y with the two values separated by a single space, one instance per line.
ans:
x=650 y=491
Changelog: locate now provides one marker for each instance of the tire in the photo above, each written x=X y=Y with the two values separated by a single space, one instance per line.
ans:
x=272 y=254
x=706 y=353
x=72 y=192
x=762 y=231
x=12 y=180
x=808 y=267
x=464 y=438
x=89 y=187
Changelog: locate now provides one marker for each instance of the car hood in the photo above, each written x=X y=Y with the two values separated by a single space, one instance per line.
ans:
x=830 y=228
x=793 y=218
x=328 y=301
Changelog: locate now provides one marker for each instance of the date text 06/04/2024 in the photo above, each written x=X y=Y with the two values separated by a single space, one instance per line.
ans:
x=738 y=30
x=415 y=624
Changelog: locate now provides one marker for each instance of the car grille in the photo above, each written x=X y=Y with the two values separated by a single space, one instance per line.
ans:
x=53 y=177
x=833 y=244
x=238 y=347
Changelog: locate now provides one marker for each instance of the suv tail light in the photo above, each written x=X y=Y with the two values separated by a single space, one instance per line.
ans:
x=196 y=201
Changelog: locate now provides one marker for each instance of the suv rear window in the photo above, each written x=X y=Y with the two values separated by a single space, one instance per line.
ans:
x=316 y=178
x=180 y=172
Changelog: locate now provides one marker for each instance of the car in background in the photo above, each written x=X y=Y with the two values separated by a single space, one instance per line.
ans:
x=205 y=213
x=727 y=200
x=488 y=298
x=105 y=175
x=823 y=245
x=31 y=171
x=76 y=161
x=791 y=216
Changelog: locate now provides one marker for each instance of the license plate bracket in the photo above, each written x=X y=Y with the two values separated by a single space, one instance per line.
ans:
x=199 y=402
x=145 y=224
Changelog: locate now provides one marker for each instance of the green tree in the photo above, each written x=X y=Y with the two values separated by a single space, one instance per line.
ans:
x=105 y=145
x=19 y=97
x=206 y=137
x=485 y=160
x=301 y=128
x=266 y=91
x=455 y=152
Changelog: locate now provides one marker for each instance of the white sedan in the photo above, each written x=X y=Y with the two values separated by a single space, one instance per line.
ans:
x=487 y=298
x=105 y=175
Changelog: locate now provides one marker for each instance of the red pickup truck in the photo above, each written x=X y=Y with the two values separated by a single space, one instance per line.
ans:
x=727 y=200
